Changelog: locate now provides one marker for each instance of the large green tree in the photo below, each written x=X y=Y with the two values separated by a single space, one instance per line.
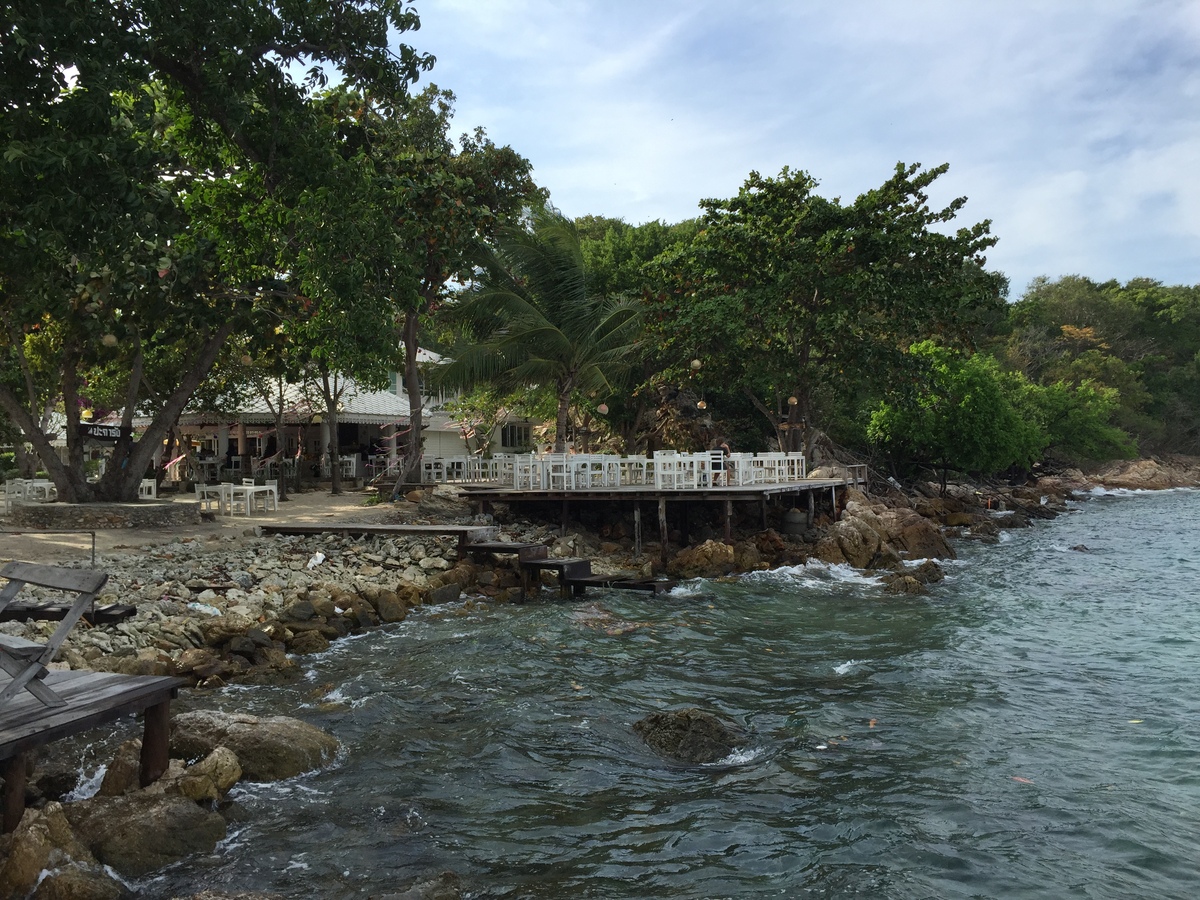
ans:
x=784 y=292
x=152 y=155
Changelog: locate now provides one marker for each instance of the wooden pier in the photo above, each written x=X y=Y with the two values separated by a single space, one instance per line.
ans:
x=93 y=699
x=574 y=573
x=484 y=494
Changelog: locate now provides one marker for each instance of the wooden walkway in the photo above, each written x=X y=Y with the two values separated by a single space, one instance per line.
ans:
x=466 y=534
x=93 y=699
x=574 y=573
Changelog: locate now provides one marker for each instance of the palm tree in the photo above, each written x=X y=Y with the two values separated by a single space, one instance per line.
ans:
x=535 y=323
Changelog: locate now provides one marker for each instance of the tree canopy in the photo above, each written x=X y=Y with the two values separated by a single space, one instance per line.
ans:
x=810 y=288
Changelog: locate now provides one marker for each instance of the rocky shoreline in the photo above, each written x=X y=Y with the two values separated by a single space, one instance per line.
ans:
x=240 y=608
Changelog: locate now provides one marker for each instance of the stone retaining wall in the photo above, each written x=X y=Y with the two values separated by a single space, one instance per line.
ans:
x=89 y=516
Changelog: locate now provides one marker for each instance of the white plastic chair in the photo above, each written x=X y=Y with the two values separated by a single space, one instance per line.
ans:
x=560 y=471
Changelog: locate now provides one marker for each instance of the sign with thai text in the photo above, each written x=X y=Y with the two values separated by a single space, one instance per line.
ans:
x=103 y=432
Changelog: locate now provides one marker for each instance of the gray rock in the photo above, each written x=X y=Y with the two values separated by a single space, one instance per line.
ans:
x=141 y=832
x=269 y=749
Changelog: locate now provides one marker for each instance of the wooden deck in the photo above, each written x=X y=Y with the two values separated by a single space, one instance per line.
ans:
x=485 y=493
x=93 y=699
x=737 y=493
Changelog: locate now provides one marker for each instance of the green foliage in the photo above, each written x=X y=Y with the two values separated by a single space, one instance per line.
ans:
x=1139 y=340
x=1076 y=421
x=535 y=322
x=812 y=289
x=154 y=155
x=616 y=253
x=962 y=414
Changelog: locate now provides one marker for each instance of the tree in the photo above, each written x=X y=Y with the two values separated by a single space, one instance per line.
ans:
x=438 y=203
x=536 y=323
x=150 y=152
x=810 y=289
x=960 y=414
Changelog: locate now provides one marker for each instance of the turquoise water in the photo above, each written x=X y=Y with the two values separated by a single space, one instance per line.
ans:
x=1030 y=729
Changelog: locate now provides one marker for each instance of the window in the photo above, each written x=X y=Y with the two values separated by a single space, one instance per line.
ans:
x=516 y=436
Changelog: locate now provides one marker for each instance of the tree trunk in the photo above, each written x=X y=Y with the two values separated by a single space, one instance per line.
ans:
x=332 y=392
x=410 y=471
x=561 y=421
x=130 y=459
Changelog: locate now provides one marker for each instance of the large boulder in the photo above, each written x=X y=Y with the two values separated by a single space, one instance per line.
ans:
x=689 y=735
x=915 y=536
x=80 y=882
x=268 y=749
x=144 y=831
x=43 y=841
x=708 y=560
x=856 y=541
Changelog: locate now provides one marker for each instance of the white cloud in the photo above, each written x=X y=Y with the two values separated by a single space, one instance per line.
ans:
x=1072 y=126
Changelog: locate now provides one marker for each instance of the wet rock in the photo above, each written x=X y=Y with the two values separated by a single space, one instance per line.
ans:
x=140 y=832
x=903 y=584
x=446 y=593
x=446 y=886
x=689 y=735
x=43 y=840
x=80 y=882
x=268 y=748
x=308 y=642
x=707 y=560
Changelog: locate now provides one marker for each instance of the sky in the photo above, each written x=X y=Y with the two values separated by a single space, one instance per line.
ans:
x=1073 y=125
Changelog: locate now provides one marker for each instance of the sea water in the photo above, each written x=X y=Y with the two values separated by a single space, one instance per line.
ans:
x=1031 y=728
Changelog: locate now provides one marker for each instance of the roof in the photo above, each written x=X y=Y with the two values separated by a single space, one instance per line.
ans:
x=357 y=406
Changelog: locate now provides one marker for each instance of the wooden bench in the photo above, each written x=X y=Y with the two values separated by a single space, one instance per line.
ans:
x=26 y=661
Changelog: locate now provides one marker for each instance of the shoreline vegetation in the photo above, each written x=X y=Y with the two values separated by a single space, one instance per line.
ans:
x=244 y=609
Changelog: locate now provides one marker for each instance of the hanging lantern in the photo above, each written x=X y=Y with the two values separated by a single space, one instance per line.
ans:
x=602 y=409
x=696 y=365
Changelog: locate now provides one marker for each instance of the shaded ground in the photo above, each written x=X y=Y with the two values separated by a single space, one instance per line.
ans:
x=309 y=507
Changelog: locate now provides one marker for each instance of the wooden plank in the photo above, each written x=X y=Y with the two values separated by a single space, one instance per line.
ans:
x=75 y=580
x=93 y=699
x=483 y=531
x=15 y=773
x=156 y=739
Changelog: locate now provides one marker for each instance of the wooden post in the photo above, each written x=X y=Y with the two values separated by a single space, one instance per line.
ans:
x=762 y=509
x=14 y=792
x=833 y=500
x=562 y=532
x=156 y=739
x=728 y=521
x=812 y=508
x=662 y=528
x=637 y=528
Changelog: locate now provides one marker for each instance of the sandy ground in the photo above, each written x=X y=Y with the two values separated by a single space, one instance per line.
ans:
x=309 y=507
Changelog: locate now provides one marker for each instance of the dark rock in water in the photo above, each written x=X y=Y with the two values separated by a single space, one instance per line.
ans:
x=240 y=895
x=689 y=735
x=1081 y=548
x=447 y=886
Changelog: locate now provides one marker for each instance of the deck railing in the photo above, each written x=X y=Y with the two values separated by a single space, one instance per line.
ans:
x=666 y=469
